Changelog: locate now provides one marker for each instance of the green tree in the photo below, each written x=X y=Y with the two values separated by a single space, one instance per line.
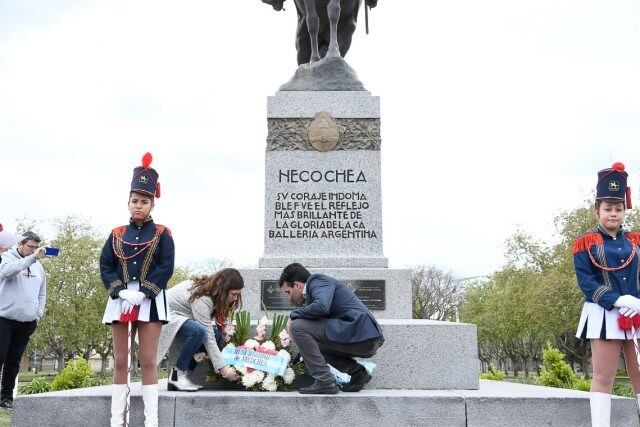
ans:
x=75 y=295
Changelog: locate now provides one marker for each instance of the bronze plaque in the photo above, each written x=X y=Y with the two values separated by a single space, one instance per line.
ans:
x=370 y=292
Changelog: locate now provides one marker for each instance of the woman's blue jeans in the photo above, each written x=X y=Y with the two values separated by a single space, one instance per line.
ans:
x=194 y=335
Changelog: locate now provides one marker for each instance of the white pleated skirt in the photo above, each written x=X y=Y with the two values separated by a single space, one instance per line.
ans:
x=155 y=310
x=598 y=323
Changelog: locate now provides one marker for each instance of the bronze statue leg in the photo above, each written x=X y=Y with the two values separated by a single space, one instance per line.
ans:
x=313 y=24
x=333 y=10
x=346 y=28
x=303 y=45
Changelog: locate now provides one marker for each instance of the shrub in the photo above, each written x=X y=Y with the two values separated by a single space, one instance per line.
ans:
x=622 y=389
x=582 y=384
x=555 y=372
x=76 y=374
x=37 y=385
x=493 y=374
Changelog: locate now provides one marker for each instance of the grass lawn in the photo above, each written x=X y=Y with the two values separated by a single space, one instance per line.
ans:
x=5 y=417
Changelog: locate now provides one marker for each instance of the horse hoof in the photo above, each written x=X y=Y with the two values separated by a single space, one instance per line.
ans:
x=333 y=53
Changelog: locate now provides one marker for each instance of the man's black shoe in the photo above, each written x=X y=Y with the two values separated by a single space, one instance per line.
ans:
x=319 y=388
x=358 y=381
x=6 y=403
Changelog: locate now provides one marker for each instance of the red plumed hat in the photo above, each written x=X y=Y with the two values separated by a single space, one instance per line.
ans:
x=145 y=178
x=612 y=185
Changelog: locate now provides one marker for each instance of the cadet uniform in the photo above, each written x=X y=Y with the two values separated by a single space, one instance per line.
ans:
x=139 y=258
x=606 y=267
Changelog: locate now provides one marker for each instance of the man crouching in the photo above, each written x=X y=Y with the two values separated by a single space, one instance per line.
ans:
x=332 y=328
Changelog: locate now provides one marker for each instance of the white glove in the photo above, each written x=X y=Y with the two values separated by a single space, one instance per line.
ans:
x=126 y=306
x=136 y=297
x=627 y=312
x=628 y=301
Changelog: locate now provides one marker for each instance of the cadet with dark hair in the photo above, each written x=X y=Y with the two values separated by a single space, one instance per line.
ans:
x=607 y=263
x=23 y=291
x=332 y=328
x=136 y=265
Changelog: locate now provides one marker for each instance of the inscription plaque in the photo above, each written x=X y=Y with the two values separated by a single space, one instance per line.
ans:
x=273 y=298
x=370 y=292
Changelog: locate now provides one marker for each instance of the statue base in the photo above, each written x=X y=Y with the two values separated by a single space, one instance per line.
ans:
x=328 y=74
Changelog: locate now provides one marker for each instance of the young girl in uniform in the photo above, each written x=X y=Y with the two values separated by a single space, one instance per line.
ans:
x=135 y=266
x=606 y=263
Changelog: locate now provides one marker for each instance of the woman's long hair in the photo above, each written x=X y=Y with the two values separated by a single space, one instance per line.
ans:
x=218 y=287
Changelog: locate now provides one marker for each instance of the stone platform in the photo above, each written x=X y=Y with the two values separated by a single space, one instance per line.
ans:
x=494 y=404
x=426 y=354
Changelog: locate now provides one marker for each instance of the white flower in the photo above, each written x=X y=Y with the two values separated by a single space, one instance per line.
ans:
x=270 y=383
x=285 y=354
x=250 y=379
x=289 y=376
x=241 y=369
x=261 y=329
x=269 y=345
x=229 y=329
x=285 y=339
x=251 y=343
x=199 y=357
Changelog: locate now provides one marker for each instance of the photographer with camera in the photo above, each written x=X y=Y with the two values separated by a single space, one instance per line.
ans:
x=23 y=293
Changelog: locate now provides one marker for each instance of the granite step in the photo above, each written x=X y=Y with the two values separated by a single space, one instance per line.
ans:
x=494 y=404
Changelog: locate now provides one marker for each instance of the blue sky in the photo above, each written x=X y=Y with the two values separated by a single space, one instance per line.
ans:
x=495 y=115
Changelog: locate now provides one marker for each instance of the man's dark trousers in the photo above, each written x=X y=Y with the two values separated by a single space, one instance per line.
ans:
x=317 y=350
x=14 y=337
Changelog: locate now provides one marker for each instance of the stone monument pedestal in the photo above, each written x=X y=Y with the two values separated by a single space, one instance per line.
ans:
x=323 y=209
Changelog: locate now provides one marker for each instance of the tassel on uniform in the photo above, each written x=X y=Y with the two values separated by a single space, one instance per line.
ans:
x=584 y=242
x=625 y=323
x=131 y=316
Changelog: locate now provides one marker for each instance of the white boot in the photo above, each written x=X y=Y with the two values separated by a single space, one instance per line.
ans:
x=150 y=399
x=118 y=402
x=198 y=386
x=600 y=409
x=179 y=381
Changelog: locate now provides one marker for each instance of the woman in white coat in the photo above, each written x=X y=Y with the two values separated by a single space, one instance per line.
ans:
x=199 y=308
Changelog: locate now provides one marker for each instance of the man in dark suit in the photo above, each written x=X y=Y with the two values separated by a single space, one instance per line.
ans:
x=332 y=328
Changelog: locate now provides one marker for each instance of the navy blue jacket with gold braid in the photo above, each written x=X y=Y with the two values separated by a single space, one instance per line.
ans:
x=144 y=254
x=604 y=286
